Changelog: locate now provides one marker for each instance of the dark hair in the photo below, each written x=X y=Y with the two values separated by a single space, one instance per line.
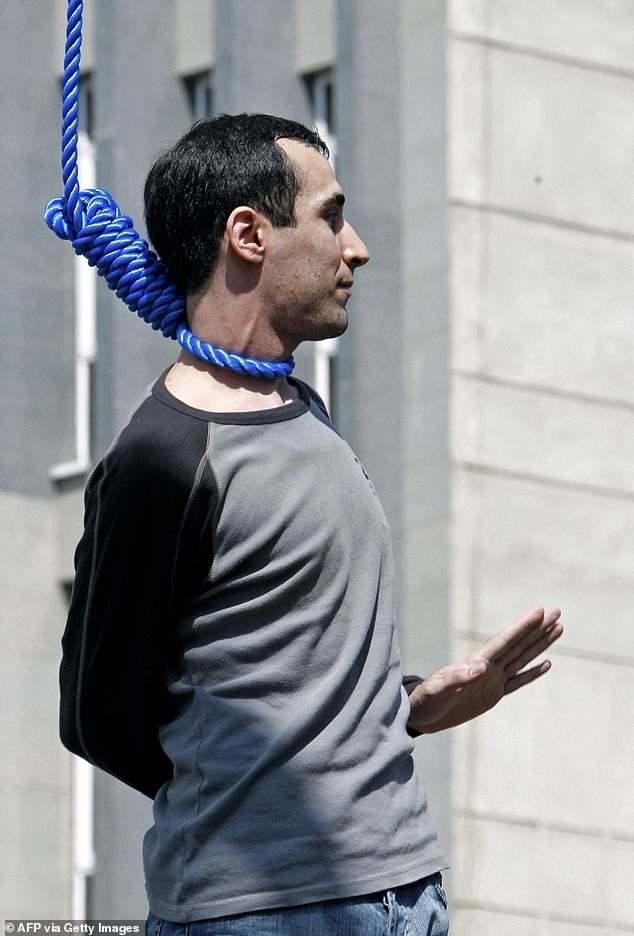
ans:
x=219 y=164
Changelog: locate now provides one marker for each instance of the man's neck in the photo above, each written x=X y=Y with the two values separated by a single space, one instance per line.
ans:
x=206 y=387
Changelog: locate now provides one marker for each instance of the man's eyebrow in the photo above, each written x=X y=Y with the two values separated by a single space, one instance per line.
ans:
x=336 y=200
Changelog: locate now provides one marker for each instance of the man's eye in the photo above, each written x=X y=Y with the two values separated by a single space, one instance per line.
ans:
x=335 y=220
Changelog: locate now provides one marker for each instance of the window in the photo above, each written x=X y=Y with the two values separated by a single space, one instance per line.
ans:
x=86 y=105
x=321 y=95
x=199 y=94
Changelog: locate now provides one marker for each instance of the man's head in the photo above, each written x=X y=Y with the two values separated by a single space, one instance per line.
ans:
x=219 y=164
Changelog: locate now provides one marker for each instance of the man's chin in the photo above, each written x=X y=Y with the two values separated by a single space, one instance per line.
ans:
x=324 y=328
x=334 y=328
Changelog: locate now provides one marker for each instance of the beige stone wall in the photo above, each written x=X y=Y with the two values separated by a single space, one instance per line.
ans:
x=541 y=144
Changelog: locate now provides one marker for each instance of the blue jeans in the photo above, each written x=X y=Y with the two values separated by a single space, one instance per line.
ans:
x=418 y=909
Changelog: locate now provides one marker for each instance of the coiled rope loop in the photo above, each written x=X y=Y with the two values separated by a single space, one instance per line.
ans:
x=92 y=221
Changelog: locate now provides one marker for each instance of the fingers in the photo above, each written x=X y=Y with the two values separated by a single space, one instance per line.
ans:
x=506 y=640
x=543 y=639
x=526 y=677
x=515 y=640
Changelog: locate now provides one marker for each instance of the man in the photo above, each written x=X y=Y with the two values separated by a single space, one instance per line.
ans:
x=230 y=649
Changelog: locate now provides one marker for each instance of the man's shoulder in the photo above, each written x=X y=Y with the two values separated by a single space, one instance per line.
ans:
x=313 y=398
x=159 y=446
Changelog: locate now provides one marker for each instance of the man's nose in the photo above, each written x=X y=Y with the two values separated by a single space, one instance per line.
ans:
x=355 y=253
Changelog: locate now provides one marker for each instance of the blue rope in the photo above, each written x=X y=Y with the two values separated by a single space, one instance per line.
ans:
x=92 y=221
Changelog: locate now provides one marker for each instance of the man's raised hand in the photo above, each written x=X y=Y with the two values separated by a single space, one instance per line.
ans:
x=464 y=690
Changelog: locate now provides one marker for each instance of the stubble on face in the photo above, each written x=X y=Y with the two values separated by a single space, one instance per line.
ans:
x=311 y=279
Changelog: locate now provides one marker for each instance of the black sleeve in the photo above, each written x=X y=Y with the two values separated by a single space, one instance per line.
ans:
x=139 y=556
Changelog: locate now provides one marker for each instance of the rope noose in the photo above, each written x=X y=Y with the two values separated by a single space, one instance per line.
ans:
x=92 y=221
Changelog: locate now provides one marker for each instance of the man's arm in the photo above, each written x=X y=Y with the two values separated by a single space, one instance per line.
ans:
x=134 y=564
x=464 y=690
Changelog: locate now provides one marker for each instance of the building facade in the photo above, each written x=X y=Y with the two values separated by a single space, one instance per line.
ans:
x=485 y=382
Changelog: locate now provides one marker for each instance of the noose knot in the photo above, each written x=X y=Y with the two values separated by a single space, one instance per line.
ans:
x=107 y=238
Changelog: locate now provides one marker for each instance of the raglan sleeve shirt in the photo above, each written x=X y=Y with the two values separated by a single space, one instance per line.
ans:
x=231 y=652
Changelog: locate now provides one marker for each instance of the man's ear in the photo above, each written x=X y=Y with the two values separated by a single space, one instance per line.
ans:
x=244 y=234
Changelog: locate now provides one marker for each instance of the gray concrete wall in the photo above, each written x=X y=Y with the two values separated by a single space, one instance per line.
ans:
x=36 y=429
x=194 y=37
x=36 y=418
x=34 y=770
x=540 y=155
x=368 y=167
x=255 y=58
x=316 y=35
x=424 y=490
x=140 y=109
